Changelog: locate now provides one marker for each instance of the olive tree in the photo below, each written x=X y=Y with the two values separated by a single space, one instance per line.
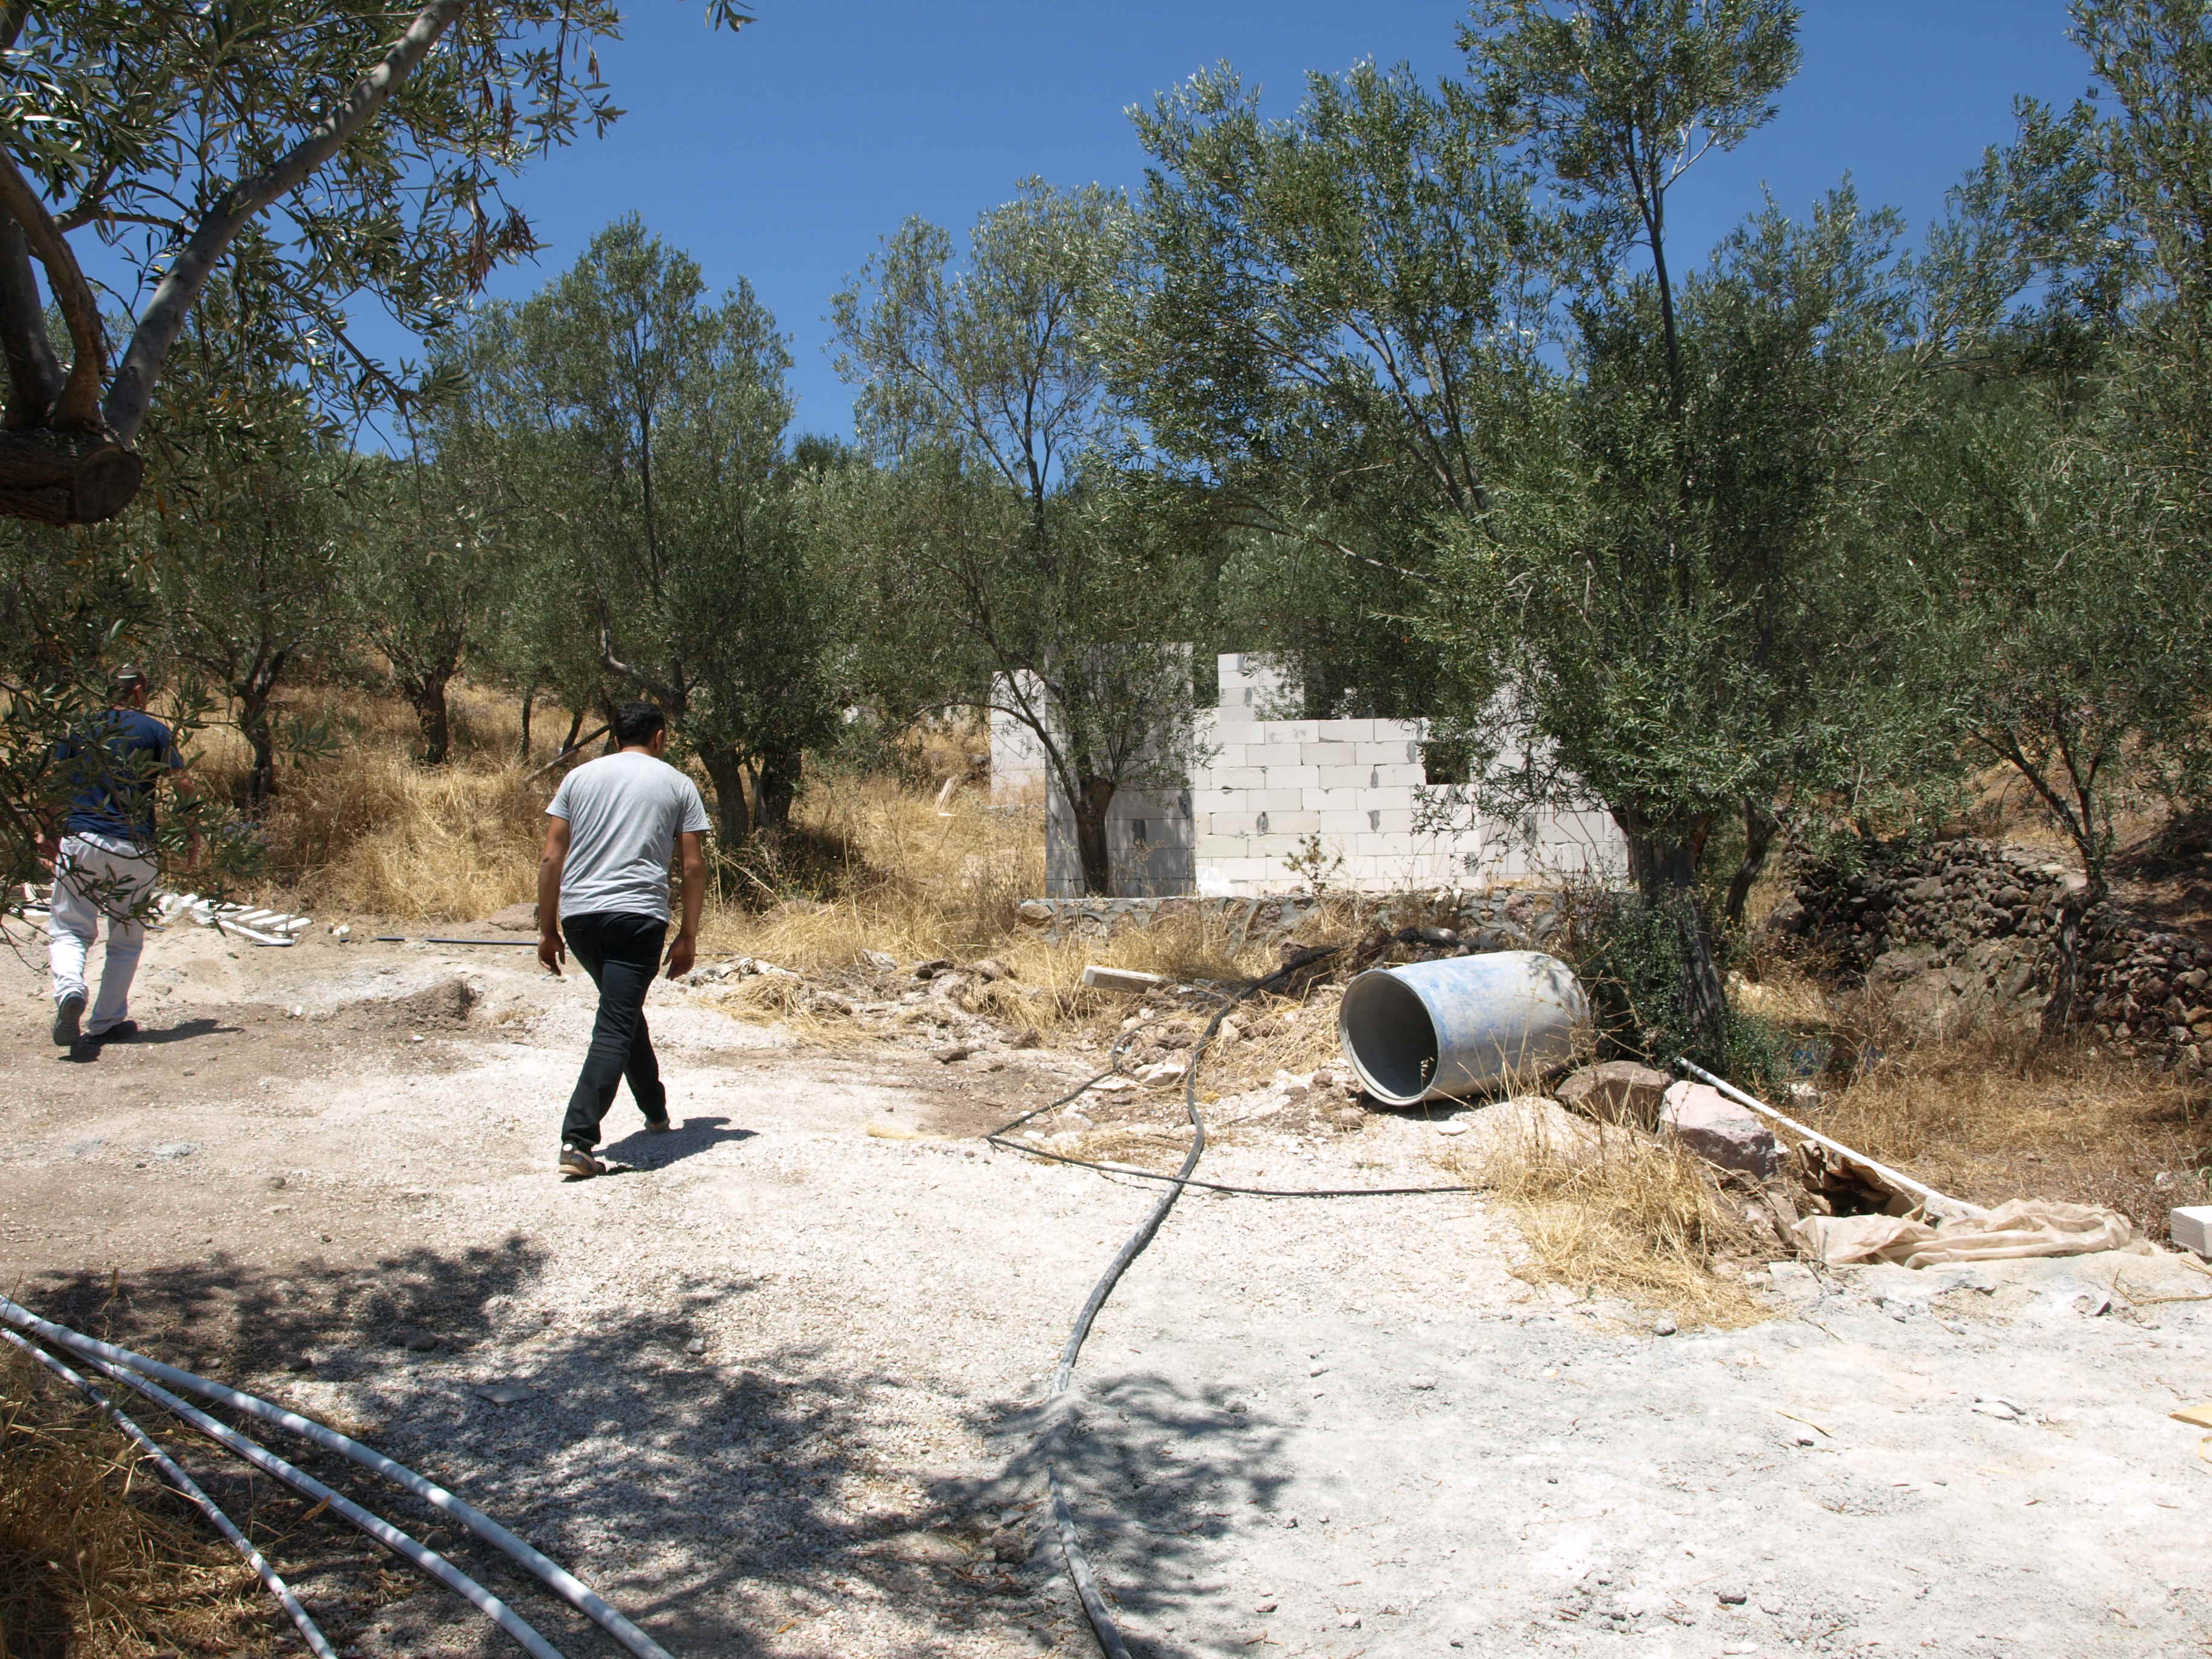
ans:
x=999 y=531
x=171 y=131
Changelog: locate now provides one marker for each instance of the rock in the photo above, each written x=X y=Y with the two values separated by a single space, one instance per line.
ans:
x=1794 y=1279
x=1732 y=1596
x=951 y=1052
x=275 y=1183
x=697 y=1345
x=506 y=1394
x=1033 y=913
x=933 y=968
x=1127 y=979
x=418 y=1341
x=1229 y=1031
x=1028 y=1037
x=1664 y=1328
x=1009 y=1546
x=1165 y=1071
x=1421 y=1384
x=990 y=968
x=1715 y=1129
x=1617 y=1092
x=515 y=919
x=882 y=962
x=2003 y=1410
x=170 y=1152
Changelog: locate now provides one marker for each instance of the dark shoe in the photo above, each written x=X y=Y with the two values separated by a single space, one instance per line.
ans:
x=657 y=1126
x=122 y=1032
x=69 y=1015
x=577 y=1164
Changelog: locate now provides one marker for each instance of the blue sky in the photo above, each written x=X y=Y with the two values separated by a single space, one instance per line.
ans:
x=783 y=153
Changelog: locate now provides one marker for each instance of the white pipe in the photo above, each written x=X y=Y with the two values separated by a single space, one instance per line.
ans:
x=184 y=1483
x=224 y=924
x=374 y=1525
x=571 y=1588
x=1928 y=1195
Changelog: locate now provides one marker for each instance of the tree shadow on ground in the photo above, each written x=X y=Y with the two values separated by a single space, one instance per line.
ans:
x=733 y=1500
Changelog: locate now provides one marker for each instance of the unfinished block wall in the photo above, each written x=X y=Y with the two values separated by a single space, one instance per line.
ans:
x=1360 y=786
x=1148 y=832
x=1263 y=786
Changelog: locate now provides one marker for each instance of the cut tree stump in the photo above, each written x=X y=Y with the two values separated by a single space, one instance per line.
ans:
x=65 y=477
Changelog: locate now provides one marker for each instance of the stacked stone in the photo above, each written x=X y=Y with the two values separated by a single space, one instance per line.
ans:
x=2146 y=992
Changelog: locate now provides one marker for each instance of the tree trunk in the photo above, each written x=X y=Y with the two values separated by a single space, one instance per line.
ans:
x=529 y=704
x=2066 y=975
x=733 y=818
x=1760 y=827
x=1091 y=799
x=434 y=720
x=575 y=729
x=65 y=477
x=779 y=787
x=1667 y=874
x=254 y=725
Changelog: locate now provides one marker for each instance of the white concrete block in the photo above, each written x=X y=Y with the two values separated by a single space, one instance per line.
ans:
x=1233 y=777
x=1341 y=824
x=1276 y=801
x=1345 y=731
x=1387 y=751
x=1293 y=776
x=1299 y=823
x=1346 y=777
x=1328 y=754
x=1397 y=774
x=2191 y=1228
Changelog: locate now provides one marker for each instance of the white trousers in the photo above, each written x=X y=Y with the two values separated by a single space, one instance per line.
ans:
x=98 y=877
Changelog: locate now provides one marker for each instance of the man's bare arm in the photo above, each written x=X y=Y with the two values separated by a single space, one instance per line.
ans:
x=550 y=950
x=683 y=949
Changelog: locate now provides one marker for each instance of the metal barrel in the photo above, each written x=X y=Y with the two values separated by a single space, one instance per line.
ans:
x=1435 y=1029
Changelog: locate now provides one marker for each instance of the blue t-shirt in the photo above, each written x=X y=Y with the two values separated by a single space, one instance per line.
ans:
x=111 y=768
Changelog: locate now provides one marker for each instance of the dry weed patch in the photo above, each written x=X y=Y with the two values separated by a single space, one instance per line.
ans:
x=94 y=1563
x=1621 y=1214
x=1992 y=1117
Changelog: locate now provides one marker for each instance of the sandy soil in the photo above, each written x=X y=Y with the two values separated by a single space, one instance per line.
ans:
x=783 y=1372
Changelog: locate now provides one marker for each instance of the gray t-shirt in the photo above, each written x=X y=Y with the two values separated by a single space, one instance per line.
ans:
x=624 y=812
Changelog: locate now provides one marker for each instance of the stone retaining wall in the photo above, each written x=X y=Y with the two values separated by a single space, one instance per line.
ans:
x=1964 y=934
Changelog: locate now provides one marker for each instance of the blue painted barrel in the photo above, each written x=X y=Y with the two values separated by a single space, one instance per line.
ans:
x=1432 y=1030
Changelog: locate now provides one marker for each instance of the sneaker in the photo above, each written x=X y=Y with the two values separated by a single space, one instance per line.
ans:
x=69 y=1013
x=122 y=1032
x=577 y=1164
x=657 y=1126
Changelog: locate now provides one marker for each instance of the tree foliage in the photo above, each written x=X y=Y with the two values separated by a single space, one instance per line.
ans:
x=378 y=134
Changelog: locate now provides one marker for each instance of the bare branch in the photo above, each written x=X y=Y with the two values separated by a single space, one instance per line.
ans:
x=34 y=373
x=77 y=409
x=173 y=301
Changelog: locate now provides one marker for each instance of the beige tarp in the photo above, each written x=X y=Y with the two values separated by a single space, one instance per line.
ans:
x=2025 y=1226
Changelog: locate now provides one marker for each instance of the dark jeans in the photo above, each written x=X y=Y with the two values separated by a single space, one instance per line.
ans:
x=622 y=953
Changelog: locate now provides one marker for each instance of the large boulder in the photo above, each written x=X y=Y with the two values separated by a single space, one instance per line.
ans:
x=1707 y=1123
x=1617 y=1092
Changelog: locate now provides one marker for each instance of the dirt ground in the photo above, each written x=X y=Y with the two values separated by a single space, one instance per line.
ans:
x=782 y=1373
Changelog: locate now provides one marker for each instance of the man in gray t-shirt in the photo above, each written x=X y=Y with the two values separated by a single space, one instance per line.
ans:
x=615 y=825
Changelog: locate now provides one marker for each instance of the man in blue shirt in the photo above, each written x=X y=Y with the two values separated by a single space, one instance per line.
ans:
x=105 y=858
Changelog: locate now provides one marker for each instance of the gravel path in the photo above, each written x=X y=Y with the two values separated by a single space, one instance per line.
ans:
x=775 y=1388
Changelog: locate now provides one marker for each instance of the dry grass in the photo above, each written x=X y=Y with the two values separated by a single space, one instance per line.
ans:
x=94 y=1564
x=366 y=829
x=1990 y=1117
x=1624 y=1214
